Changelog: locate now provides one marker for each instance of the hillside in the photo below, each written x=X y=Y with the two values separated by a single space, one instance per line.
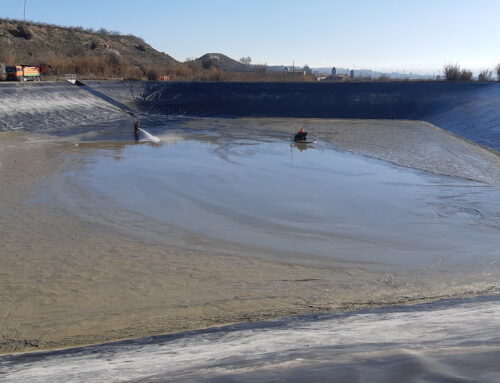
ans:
x=102 y=54
x=34 y=43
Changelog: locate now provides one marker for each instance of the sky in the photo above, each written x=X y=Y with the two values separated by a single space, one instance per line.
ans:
x=401 y=35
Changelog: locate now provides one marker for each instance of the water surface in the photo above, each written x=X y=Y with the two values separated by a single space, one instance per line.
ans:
x=295 y=203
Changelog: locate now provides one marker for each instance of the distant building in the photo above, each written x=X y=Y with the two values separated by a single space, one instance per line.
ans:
x=338 y=77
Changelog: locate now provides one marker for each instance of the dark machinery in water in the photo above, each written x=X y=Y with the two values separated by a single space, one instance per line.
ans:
x=301 y=138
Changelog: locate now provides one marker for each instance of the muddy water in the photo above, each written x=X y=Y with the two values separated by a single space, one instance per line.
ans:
x=123 y=240
x=296 y=204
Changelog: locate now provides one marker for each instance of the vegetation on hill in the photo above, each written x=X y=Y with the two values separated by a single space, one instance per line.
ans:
x=78 y=50
x=104 y=54
x=90 y=53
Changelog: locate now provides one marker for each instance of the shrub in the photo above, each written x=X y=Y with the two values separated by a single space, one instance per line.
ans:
x=453 y=72
x=7 y=56
x=103 y=32
x=24 y=31
x=132 y=72
x=153 y=72
x=92 y=67
x=113 y=57
x=215 y=74
x=75 y=48
x=486 y=75
x=465 y=75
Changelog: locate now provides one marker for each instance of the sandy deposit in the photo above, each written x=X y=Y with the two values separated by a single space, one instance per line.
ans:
x=67 y=280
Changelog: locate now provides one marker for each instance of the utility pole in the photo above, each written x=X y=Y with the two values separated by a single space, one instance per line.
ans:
x=24 y=11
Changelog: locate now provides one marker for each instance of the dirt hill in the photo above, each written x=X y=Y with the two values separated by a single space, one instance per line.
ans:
x=102 y=54
x=218 y=60
x=35 y=43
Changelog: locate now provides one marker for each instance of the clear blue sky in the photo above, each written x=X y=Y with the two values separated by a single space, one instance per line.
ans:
x=411 y=35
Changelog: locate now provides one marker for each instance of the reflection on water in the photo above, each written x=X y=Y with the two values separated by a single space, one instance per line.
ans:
x=456 y=341
x=313 y=203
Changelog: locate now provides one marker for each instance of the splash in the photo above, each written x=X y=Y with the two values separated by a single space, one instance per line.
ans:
x=149 y=136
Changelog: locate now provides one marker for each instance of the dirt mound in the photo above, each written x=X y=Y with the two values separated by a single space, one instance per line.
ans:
x=34 y=43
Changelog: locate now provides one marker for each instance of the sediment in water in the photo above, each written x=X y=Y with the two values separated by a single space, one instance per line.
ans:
x=67 y=280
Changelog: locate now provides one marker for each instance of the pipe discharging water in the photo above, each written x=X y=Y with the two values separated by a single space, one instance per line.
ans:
x=149 y=136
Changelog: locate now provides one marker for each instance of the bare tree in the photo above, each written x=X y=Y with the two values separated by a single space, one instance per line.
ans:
x=497 y=71
x=246 y=60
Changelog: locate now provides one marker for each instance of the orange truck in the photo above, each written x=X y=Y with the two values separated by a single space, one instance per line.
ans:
x=23 y=73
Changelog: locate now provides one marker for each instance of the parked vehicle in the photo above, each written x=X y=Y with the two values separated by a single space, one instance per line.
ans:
x=23 y=73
